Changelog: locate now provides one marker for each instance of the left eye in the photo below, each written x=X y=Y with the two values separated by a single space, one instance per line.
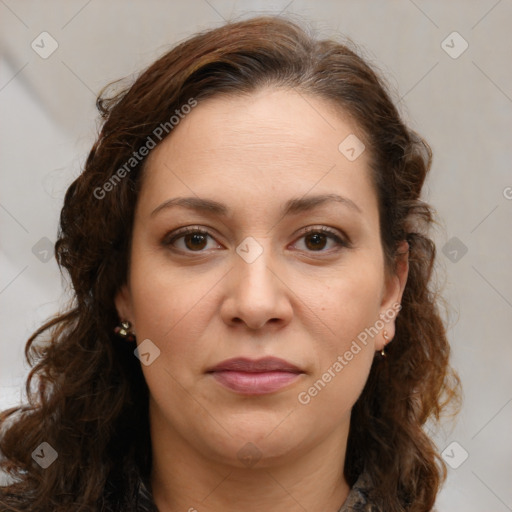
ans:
x=195 y=240
x=319 y=236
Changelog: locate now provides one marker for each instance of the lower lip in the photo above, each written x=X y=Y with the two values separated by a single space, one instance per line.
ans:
x=255 y=383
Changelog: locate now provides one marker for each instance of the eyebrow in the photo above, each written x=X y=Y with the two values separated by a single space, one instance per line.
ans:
x=292 y=206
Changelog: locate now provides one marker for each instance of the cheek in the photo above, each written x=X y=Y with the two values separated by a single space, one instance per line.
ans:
x=349 y=307
x=348 y=303
x=345 y=355
x=171 y=306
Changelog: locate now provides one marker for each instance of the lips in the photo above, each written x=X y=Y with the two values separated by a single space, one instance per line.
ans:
x=267 y=364
x=255 y=377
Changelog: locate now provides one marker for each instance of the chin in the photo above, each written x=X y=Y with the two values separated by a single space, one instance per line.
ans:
x=260 y=443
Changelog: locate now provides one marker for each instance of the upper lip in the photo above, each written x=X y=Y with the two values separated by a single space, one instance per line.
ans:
x=266 y=364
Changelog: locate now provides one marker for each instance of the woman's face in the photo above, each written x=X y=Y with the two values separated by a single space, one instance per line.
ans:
x=209 y=309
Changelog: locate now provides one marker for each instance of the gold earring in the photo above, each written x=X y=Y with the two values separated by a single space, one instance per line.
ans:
x=123 y=331
x=386 y=339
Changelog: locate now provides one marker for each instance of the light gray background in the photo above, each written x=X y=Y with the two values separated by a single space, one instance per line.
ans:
x=463 y=107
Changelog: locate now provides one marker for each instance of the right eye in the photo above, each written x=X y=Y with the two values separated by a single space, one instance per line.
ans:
x=193 y=239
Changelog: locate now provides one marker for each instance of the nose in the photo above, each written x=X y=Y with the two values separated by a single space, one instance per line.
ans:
x=256 y=296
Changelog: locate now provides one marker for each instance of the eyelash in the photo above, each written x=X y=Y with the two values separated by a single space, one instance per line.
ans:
x=172 y=237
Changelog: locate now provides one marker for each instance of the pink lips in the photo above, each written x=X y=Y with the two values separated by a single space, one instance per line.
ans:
x=255 y=377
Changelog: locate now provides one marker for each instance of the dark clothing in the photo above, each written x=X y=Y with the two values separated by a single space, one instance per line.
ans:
x=357 y=500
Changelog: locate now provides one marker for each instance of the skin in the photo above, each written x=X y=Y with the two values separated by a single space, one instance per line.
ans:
x=201 y=303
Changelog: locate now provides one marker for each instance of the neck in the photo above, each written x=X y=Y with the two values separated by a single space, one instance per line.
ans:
x=183 y=479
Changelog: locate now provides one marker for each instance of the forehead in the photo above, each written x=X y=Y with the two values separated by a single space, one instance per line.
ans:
x=274 y=143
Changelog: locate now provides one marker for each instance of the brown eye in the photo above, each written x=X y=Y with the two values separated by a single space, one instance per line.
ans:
x=192 y=240
x=317 y=241
x=195 y=241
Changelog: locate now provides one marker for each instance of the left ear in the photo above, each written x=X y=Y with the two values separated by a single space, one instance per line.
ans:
x=392 y=295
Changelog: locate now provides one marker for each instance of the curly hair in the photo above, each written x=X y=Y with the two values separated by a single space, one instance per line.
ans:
x=87 y=396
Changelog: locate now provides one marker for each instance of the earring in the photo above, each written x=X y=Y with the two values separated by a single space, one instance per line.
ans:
x=123 y=331
x=386 y=340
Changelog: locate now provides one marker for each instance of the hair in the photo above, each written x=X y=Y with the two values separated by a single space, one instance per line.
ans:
x=87 y=396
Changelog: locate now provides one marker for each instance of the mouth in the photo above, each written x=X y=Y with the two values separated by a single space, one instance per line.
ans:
x=255 y=377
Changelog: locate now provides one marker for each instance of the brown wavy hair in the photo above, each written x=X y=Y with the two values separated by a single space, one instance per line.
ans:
x=86 y=392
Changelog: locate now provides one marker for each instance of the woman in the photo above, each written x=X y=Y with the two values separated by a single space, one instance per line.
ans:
x=254 y=324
